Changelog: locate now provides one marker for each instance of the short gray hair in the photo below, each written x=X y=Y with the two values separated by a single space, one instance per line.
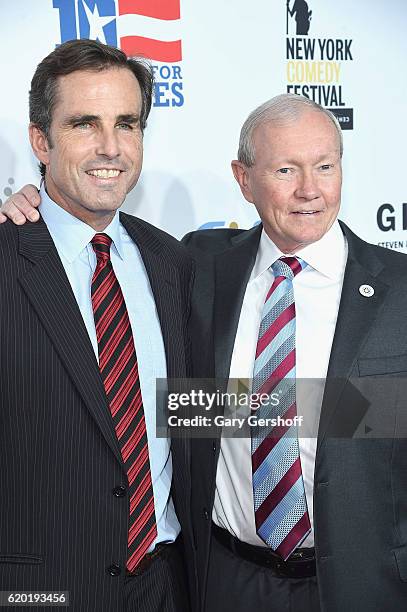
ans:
x=280 y=109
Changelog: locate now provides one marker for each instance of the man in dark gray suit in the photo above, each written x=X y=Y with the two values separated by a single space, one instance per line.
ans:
x=314 y=522
x=94 y=308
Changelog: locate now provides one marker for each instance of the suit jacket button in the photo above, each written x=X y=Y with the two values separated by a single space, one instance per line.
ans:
x=113 y=570
x=119 y=491
x=206 y=514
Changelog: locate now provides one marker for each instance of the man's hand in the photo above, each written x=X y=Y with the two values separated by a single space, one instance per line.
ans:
x=21 y=206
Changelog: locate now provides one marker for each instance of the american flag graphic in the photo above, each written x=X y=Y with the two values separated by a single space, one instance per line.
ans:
x=150 y=28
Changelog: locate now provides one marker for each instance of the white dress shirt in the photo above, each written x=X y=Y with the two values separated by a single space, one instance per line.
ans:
x=317 y=292
x=72 y=240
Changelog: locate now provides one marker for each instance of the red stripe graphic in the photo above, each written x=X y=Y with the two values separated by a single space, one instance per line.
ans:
x=159 y=50
x=169 y=9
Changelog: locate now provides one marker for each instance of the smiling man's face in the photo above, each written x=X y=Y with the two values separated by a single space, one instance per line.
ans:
x=295 y=182
x=94 y=154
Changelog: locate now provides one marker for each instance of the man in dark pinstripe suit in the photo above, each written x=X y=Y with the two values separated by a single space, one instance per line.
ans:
x=65 y=508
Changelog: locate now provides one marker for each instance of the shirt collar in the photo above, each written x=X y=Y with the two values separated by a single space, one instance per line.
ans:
x=70 y=234
x=327 y=255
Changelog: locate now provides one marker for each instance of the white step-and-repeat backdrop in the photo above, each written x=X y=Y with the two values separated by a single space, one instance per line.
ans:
x=214 y=61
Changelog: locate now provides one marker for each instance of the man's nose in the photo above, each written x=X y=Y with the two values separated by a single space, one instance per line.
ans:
x=108 y=143
x=307 y=187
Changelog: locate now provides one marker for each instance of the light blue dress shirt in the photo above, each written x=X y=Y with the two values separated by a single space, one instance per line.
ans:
x=72 y=240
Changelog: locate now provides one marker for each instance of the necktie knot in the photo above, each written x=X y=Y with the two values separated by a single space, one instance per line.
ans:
x=101 y=245
x=288 y=267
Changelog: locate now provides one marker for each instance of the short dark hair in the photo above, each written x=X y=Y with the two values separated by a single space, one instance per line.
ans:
x=76 y=55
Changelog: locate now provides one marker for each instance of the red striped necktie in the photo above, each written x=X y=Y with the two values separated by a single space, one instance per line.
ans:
x=119 y=371
x=280 y=505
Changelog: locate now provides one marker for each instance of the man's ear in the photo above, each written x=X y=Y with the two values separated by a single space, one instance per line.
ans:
x=241 y=174
x=39 y=143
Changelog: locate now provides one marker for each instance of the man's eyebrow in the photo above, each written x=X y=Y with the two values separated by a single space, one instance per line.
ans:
x=294 y=161
x=74 y=119
x=125 y=118
x=130 y=118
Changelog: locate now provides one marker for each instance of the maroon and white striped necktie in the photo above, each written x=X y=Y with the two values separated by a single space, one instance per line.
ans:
x=280 y=504
x=119 y=371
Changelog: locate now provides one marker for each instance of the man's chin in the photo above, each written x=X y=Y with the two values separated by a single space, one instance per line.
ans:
x=108 y=204
x=306 y=239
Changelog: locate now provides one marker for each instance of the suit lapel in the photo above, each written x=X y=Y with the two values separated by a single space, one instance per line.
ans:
x=165 y=285
x=233 y=269
x=356 y=316
x=49 y=291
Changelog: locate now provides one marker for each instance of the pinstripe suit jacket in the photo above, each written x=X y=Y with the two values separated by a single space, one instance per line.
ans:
x=61 y=526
